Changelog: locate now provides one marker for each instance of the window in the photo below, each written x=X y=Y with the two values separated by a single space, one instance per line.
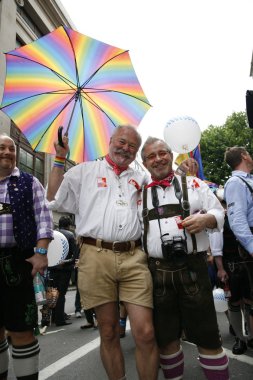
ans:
x=29 y=163
x=28 y=160
x=30 y=21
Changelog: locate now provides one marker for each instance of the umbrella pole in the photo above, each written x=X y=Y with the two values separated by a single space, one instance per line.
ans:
x=60 y=129
x=70 y=119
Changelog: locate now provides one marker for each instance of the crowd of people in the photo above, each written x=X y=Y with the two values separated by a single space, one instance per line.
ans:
x=143 y=237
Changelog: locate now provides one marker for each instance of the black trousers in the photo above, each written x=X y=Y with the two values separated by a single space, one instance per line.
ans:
x=61 y=278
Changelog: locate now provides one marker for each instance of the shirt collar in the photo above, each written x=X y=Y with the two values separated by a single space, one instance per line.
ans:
x=15 y=173
x=241 y=173
x=128 y=170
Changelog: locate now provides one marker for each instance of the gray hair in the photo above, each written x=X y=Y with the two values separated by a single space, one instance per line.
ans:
x=151 y=140
x=129 y=127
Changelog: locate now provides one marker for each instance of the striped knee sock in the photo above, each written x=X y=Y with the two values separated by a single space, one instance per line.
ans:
x=215 y=367
x=173 y=365
x=235 y=317
x=26 y=361
x=4 y=358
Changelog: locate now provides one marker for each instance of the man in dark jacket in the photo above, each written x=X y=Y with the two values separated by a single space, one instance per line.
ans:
x=61 y=273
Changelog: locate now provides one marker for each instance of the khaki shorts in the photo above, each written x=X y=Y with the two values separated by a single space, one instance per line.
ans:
x=107 y=276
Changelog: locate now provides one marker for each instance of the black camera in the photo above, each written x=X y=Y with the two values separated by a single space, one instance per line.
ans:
x=174 y=249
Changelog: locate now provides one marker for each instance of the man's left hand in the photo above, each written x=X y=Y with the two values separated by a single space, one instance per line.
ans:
x=39 y=263
x=188 y=166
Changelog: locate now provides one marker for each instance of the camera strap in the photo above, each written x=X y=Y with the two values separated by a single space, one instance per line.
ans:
x=155 y=202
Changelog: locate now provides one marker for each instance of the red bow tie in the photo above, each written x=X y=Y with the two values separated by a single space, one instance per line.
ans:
x=163 y=182
x=117 y=169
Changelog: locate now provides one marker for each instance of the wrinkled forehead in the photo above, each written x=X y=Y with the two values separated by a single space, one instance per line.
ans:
x=156 y=146
x=127 y=134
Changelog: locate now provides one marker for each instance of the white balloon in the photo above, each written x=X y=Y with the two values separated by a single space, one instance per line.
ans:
x=220 y=302
x=182 y=134
x=58 y=249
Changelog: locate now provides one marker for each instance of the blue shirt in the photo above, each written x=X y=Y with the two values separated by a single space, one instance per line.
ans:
x=240 y=207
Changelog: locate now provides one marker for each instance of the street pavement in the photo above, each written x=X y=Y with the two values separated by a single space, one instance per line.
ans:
x=69 y=353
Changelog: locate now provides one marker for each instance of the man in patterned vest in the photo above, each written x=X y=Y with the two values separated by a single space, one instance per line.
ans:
x=26 y=230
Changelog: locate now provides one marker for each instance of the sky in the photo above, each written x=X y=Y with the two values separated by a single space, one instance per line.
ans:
x=192 y=57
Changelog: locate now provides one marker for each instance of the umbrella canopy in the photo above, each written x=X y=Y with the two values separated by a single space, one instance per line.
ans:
x=68 y=79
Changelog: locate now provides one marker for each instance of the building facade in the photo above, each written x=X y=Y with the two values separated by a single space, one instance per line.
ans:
x=21 y=22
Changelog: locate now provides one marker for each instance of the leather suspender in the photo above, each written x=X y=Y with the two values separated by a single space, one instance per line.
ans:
x=145 y=213
x=183 y=208
x=186 y=209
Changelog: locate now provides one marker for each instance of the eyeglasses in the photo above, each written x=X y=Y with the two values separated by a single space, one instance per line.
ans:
x=160 y=154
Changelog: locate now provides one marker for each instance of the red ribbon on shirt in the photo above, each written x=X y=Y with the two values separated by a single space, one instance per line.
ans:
x=166 y=182
x=116 y=168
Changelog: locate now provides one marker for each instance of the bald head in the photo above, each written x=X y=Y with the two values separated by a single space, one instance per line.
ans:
x=7 y=155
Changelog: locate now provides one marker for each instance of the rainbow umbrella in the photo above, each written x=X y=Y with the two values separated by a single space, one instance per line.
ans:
x=68 y=79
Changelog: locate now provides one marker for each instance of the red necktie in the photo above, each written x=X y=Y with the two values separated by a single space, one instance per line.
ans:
x=163 y=182
x=117 y=169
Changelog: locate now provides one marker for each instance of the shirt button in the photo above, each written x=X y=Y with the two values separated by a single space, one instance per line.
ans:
x=120 y=227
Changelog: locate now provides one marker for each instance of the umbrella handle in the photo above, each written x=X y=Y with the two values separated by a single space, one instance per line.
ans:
x=60 y=142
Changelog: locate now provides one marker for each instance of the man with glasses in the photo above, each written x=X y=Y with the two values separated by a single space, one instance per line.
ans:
x=175 y=215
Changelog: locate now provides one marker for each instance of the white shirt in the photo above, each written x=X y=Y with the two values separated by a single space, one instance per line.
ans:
x=200 y=197
x=104 y=204
x=216 y=243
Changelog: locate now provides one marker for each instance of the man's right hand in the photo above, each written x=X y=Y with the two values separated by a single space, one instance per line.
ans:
x=56 y=176
x=62 y=151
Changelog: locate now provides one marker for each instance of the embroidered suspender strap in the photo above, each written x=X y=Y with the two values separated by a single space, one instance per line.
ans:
x=177 y=190
x=145 y=213
x=186 y=210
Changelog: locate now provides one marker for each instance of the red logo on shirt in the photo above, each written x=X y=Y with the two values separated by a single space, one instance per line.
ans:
x=195 y=184
x=101 y=182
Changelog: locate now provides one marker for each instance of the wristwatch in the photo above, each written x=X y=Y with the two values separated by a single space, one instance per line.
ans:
x=41 y=251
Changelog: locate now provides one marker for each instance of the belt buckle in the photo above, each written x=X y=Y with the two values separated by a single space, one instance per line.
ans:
x=113 y=246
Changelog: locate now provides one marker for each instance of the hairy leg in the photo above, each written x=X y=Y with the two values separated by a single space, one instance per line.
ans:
x=147 y=356
x=110 y=349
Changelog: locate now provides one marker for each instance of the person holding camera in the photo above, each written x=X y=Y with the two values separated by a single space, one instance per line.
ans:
x=176 y=213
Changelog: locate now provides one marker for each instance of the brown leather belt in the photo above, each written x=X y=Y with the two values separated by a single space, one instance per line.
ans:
x=115 y=246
